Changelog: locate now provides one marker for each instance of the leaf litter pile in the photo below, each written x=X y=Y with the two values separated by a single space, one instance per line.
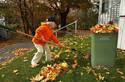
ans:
x=20 y=51
x=50 y=72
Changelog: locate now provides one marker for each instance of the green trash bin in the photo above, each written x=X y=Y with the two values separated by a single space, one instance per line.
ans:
x=103 y=49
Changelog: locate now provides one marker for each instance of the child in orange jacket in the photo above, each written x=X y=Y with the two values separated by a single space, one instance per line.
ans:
x=43 y=34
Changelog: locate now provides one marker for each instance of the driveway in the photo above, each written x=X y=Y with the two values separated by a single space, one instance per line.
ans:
x=5 y=53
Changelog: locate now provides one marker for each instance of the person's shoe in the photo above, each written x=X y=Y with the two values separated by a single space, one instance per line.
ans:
x=34 y=65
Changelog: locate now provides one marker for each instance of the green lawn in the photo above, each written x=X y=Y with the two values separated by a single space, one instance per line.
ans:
x=19 y=70
x=1 y=55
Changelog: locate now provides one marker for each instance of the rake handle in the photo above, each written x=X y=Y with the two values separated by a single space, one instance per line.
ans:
x=29 y=35
x=24 y=34
x=32 y=37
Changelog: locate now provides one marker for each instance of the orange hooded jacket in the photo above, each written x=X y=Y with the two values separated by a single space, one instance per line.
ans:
x=46 y=32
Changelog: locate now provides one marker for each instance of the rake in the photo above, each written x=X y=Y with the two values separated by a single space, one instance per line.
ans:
x=31 y=36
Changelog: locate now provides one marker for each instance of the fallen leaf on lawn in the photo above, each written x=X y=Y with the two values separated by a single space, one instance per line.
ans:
x=45 y=80
x=64 y=66
x=81 y=73
x=88 y=69
x=99 y=67
x=3 y=75
x=60 y=52
x=119 y=71
x=68 y=50
x=60 y=81
x=37 y=78
x=100 y=77
x=87 y=56
x=52 y=46
x=25 y=60
x=68 y=55
x=56 y=56
x=105 y=68
x=33 y=81
x=113 y=77
x=123 y=77
x=15 y=71
x=107 y=73
x=75 y=62
x=94 y=73
x=74 y=66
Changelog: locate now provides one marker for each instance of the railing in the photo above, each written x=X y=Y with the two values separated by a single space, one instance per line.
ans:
x=111 y=14
x=75 y=22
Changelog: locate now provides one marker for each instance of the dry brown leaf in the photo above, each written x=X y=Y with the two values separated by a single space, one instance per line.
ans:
x=68 y=50
x=87 y=56
x=113 y=77
x=33 y=81
x=74 y=66
x=37 y=78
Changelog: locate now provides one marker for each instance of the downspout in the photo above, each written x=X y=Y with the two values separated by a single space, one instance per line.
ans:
x=100 y=10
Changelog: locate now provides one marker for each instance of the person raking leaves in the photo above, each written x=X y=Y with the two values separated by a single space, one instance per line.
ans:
x=43 y=34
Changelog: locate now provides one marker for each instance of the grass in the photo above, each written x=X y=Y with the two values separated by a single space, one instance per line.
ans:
x=19 y=70
x=1 y=55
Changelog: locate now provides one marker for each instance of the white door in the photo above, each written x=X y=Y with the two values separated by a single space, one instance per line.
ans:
x=121 y=35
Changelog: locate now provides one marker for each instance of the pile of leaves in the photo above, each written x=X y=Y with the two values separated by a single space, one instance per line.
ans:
x=104 y=28
x=20 y=51
x=50 y=72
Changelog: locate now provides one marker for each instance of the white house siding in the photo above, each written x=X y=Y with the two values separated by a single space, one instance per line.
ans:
x=111 y=11
x=121 y=35
x=115 y=10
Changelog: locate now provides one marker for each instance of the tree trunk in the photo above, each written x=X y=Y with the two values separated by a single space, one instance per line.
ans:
x=25 y=16
x=63 y=17
x=29 y=18
x=22 y=15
